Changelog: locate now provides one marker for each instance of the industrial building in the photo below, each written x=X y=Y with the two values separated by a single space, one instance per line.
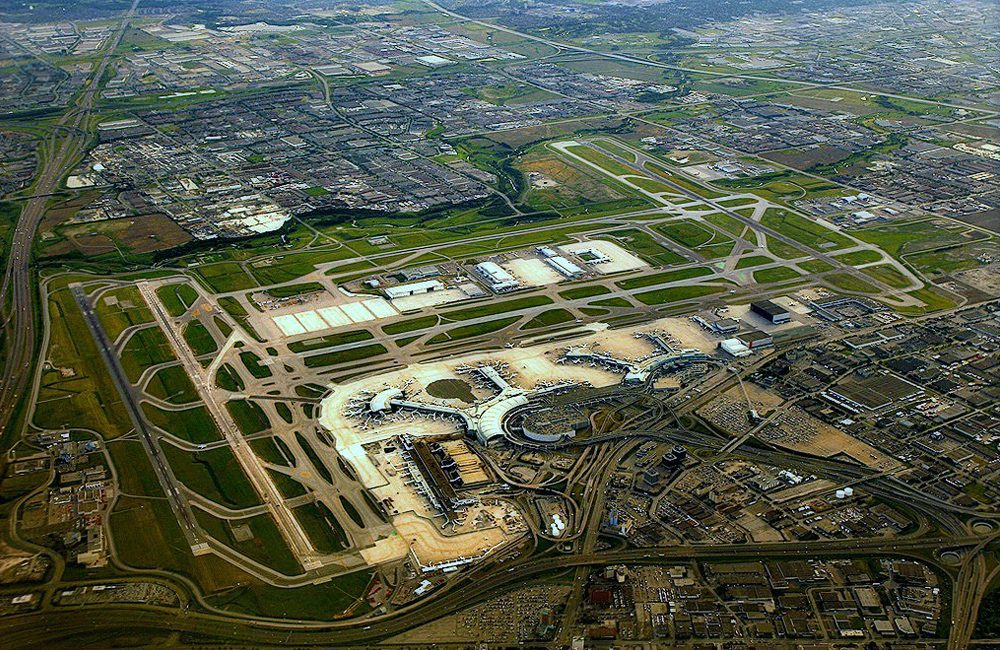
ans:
x=499 y=279
x=564 y=266
x=755 y=339
x=734 y=347
x=413 y=289
x=774 y=313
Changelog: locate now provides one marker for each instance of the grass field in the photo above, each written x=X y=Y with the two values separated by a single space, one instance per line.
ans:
x=173 y=385
x=344 y=356
x=314 y=458
x=584 y=292
x=470 y=331
x=850 y=283
x=887 y=274
x=698 y=237
x=257 y=537
x=752 y=261
x=662 y=278
x=643 y=245
x=493 y=308
x=147 y=535
x=816 y=266
x=775 y=274
x=676 y=294
x=325 y=601
x=177 y=298
x=322 y=528
x=192 y=424
x=198 y=338
x=612 y=302
x=235 y=309
x=601 y=160
x=858 y=257
x=726 y=223
x=783 y=250
x=329 y=341
x=934 y=299
x=227 y=378
x=251 y=361
x=548 y=319
x=120 y=309
x=213 y=473
x=289 y=487
x=144 y=349
x=268 y=451
x=250 y=418
x=410 y=325
x=77 y=389
x=135 y=472
x=804 y=231
x=224 y=277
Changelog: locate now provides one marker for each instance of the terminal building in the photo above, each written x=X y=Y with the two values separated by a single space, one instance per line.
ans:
x=499 y=279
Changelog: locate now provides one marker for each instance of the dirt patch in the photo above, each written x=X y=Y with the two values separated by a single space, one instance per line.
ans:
x=136 y=235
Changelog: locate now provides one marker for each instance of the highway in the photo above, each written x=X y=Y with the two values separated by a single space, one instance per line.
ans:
x=65 y=145
x=78 y=628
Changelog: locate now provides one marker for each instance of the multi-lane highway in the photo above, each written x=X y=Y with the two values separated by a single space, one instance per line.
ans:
x=63 y=148
x=79 y=628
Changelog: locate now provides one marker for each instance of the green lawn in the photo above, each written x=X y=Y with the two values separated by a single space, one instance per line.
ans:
x=214 y=474
x=492 y=308
x=227 y=378
x=177 y=298
x=858 y=257
x=322 y=528
x=224 y=277
x=329 y=341
x=588 y=291
x=850 y=283
x=752 y=261
x=477 y=329
x=344 y=356
x=664 y=277
x=256 y=537
x=173 y=385
x=548 y=319
x=144 y=349
x=251 y=361
x=676 y=294
x=250 y=418
x=775 y=274
x=198 y=338
x=192 y=424
x=120 y=309
x=804 y=231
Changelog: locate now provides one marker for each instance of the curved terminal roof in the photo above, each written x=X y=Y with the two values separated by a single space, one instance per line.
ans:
x=492 y=418
x=381 y=402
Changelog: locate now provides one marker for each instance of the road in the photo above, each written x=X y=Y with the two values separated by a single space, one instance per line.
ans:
x=17 y=293
x=73 y=627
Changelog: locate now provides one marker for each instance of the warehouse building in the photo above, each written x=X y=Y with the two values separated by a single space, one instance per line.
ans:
x=413 y=289
x=499 y=279
x=774 y=313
